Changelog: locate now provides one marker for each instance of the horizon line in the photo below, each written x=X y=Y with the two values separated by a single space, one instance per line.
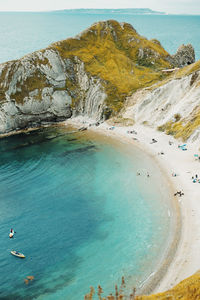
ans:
x=91 y=8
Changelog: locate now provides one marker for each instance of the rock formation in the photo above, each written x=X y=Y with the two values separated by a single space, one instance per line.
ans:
x=184 y=56
x=91 y=74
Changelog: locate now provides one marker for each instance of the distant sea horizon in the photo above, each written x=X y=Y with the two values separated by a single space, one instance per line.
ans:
x=97 y=10
x=22 y=33
x=139 y=11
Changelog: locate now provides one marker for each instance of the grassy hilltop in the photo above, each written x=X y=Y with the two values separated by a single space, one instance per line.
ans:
x=116 y=53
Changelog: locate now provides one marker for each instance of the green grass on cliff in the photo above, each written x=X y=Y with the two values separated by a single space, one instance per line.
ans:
x=178 y=74
x=182 y=129
x=188 y=69
x=110 y=51
x=188 y=289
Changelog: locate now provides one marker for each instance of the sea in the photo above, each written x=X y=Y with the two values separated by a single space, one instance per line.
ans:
x=22 y=33
x=82 y=215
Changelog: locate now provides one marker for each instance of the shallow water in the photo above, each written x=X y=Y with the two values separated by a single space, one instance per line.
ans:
x=82 y=215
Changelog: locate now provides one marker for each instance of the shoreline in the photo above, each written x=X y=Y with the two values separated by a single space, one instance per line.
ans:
x=182 y=254
x=178 y=262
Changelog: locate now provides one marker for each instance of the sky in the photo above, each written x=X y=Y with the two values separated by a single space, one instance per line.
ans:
x=168 y=6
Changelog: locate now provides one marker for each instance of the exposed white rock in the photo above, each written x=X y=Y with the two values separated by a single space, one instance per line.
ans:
x=92 y=102
x=61 y=100
x=158 y=106
x=35 y=90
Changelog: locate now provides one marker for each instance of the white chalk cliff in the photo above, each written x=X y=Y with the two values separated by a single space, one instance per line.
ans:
x=160 y=105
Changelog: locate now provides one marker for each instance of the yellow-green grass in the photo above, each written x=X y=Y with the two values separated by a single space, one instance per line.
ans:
x=178 y=74
x=188 y=289
x=111 y=53
x=188 y=70
x=182 y=128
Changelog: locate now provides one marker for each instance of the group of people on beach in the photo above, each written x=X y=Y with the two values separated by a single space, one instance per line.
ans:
x=195 y=179
x=179 y=193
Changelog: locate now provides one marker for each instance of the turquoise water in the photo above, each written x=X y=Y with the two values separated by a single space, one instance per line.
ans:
x=22 y=33
x=81 y=214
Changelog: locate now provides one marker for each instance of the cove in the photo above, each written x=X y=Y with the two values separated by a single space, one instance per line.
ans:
x=82 y=215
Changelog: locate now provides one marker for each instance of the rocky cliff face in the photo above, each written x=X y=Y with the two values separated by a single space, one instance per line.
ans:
x=91 y=74
x=34 y=90
x=184 y=56
x=172 y=106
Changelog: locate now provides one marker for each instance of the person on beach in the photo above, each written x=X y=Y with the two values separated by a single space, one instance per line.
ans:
x=148 y=174
x=179 y=193
x=153 y=141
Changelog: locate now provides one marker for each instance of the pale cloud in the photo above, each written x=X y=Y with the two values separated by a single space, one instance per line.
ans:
x=169 y=6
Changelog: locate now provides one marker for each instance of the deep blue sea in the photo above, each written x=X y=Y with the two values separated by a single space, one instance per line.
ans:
x=22 y=33
x=81 y=214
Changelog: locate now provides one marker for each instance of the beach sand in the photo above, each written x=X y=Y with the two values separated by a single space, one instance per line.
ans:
x=182 y=260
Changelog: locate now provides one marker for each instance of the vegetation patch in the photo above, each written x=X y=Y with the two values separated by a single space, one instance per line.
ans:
x=181 y=128
x=188 y=289
x=110 y=52
x=188 y=69
x=35 y=82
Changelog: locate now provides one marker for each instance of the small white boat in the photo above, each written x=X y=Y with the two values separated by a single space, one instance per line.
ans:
x=18 y=254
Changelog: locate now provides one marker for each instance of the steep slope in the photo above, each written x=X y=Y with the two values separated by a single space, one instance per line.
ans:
x=188 y=289
x=172 y=106
x=90 y=74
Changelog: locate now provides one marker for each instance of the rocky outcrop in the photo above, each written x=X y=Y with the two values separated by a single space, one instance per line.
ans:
x=34 y=90
x=184 y=56
x=91 y=74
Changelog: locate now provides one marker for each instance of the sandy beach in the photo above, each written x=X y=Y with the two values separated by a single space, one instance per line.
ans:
x=184 y=260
